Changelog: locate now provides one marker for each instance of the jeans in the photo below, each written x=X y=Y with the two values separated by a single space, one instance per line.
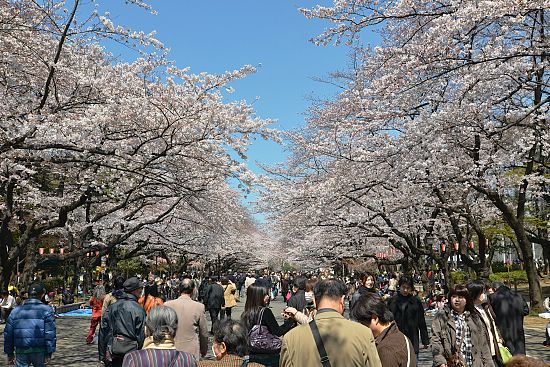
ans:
x=34 y=359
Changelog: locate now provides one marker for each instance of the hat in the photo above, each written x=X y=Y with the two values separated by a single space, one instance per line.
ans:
x=36 y=289
x=131 y=284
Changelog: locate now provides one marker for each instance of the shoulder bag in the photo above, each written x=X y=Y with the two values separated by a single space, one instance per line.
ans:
x=455 y=360
x=261 y=340
x=408 y=351
x=122 y=345
x=504 y=352
x=320 y=345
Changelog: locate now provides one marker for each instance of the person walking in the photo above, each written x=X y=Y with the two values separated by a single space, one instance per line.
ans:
x=150 y=298
x=256 y=312
x=366 y=285
x=408 y=314
x=214 y=300
x=7 y=305
x=298 y=299
x=345 y=342
x=158 y=347
x=394 y=348
x=476 y=289
x=30 y=333
x=126 y=322
x=457 y=330
x=192 y=332
x=229 y=290
x=510 y=308
x=96 y=303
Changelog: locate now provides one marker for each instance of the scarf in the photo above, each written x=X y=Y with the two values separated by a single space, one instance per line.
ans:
x=463 y=331
x=167 y=343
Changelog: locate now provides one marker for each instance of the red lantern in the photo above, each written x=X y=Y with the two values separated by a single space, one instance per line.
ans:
x=471 y=245
x=41 y=250
x=52 y=250
x=87 y=254
x=97 y=253
x=61 y=251
x=443 y=247
x=456 y=246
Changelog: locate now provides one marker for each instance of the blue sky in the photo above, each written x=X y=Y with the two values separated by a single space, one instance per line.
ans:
x=219 y=35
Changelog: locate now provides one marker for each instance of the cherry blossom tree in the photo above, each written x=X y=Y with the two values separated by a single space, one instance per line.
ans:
x=104 y=153
x=469 y=79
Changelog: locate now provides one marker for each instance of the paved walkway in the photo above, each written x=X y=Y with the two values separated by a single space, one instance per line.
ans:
x=72 y=350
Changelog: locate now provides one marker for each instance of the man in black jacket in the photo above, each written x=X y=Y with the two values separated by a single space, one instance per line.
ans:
x=298 y=299
x=408 y=313
x=214 y=300
x=126 y=322
x=509 y=308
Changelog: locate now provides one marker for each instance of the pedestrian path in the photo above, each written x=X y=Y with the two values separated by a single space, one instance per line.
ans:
x=72 y=350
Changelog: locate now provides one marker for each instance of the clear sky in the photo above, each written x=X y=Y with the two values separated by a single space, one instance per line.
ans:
x=219 y=35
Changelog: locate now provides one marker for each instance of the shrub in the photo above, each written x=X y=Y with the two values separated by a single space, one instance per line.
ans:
x=459 y=277
x=512 y=277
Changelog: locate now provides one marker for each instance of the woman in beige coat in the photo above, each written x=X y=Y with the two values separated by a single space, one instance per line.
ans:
x=458 y=329
x=229 y=290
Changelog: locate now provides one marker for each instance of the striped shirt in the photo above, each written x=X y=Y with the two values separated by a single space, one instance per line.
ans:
x=158 y=358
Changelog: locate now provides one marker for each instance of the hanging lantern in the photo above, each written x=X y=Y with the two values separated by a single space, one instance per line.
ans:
x=87 y=254
x=471 y=245
x=41 y=250
x=52 y=250
x=97 y=253
x=61 y=251
x=443 y=247
x=456 y=246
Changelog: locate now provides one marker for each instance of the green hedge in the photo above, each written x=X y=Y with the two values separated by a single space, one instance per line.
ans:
x=512 y=277
x=459 y=277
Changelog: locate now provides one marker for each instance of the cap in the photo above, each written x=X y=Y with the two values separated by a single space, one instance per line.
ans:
x=131 y=284
x=36 y=289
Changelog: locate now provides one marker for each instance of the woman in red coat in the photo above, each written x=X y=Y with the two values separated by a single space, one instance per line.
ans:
x=96 y=303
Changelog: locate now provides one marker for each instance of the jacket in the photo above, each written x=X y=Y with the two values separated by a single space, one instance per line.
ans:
x=149 y=303
x=298 y=301
x=490 y=329
x=444 y=337
x=229 y=291
x=124 y=317
x=510 y=308
x=347 y=343
x=192 y=332
x=97 y=306
x=391 y=345
x=31 y=325
x=409 y=317
x=213 y=298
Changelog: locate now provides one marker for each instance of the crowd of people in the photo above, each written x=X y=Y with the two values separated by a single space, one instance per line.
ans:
x=142 y=322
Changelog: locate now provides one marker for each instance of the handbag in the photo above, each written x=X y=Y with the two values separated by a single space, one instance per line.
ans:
x=261 y=340
x=455 y=360
x=504 y=352
x=122 y=345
